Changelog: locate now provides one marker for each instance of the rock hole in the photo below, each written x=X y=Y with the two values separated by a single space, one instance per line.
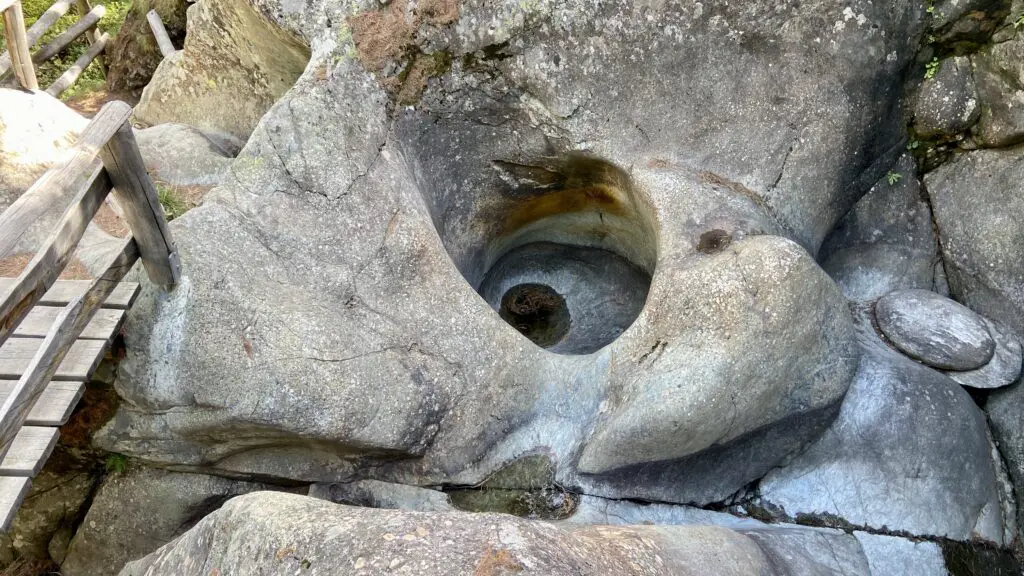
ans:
x=538 y=312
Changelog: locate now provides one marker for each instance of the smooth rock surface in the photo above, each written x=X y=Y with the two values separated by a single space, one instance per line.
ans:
x=935 y=330
x=137 y=511
x=377 y=494
x=978 y=202
x=282 y=534
x=948 y=103
x=180 y=155
x=909 y=452
x=886 y=242
x=1005 y=409
x=999 y=73
x=1003 y=369
x=235 y=64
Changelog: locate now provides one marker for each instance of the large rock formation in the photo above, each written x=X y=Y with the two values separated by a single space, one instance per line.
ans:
x=328 y=325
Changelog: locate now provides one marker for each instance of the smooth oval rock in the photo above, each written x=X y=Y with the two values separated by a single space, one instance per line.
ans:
x=935 y=330
x=1003 y=369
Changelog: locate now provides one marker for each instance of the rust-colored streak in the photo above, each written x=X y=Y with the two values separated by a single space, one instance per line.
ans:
x=598 y=198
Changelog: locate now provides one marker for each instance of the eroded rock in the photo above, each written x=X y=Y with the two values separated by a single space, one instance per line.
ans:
x=1003 y=369
x=999 y=73
x=948 y=103
x=935 y=330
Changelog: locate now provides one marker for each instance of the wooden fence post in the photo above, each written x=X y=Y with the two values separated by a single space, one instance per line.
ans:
x=17 y=46
x=137 y=196
x=163 y=40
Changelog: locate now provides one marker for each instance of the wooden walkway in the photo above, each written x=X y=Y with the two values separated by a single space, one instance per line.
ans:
x=54 y=333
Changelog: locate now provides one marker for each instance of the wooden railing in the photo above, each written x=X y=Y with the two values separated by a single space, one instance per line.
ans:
x=105 y=157
x=20 y=42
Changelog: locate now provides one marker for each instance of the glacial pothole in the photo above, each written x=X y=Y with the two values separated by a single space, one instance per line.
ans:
x=562 y=248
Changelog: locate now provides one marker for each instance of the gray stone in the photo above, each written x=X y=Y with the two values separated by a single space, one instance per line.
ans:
x=137 y=511
x=54 y=503
x=909 y=452
x=283 y=534
x=968 y=21
x=948 y=103
x=889 y=555
x=978 y=202
x=935 y=330
x=1003 y=369
x=886 y=242
x=182 y=156
x=999 y=73
x=235 y=64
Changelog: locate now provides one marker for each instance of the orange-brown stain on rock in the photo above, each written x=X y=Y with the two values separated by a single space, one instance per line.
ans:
x=599 y=198
x=499 y=562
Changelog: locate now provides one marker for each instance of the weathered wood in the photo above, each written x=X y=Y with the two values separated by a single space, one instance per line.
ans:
x=5 y=4
x=58 y=44
x=36 y=31
x=104 y=326
x=44 y=268
x=17 y=46
x=64 y=291
x=82 y=359
x=31 y=447
x=13 y=490
x=94 y=33
x=60 y=181
x=62 y=338
x=163 y=40
x=55 y=404
x=71 y=74
x=137 y=195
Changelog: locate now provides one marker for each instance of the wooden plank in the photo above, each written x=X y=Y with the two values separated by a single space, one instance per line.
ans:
x=137 y=195
x=61 y=181
x=31 y=447
x=71 y=74
x=94 y=33
x=35 y=32
x=44 y=268
x=163 y=40
x=13 y=490
x=17 y=353
x=17 y=46
x=64 y=291
x=5 y=4
x=55 y=404
x=53 y=349
x=104 y=325
x=61 y=42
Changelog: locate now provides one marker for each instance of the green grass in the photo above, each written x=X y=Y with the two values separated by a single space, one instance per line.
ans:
x=116 y=463
x=92 y=77
x=173 y=205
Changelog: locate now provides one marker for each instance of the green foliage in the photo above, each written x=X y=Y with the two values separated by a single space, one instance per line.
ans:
x=1018 y=22
x=49 y=71
x=893 y=177
x=172 y=204
x=932 y=68
x=116 y=463
x=913 y=145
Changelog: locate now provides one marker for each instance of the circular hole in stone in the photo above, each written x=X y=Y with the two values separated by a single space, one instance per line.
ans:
x=538 y=312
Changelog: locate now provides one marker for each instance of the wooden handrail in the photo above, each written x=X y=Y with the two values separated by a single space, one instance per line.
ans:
x=71 y=74
x=58 y=44
x=119 y=169
x=37 y=30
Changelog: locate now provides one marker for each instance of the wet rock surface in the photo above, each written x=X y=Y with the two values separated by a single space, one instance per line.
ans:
x=935 y=330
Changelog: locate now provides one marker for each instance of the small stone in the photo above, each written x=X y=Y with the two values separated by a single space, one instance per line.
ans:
x=935 y=330
x=1005 y=367
x=948 y=103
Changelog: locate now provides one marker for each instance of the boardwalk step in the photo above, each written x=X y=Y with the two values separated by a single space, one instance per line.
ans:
x=103 y=326
x=54 y=406
x=28 y=453
x=63 y=291
x=13 y=490
x=82 y=358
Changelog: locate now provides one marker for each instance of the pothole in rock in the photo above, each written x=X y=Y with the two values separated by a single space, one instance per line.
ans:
x=563 y=249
